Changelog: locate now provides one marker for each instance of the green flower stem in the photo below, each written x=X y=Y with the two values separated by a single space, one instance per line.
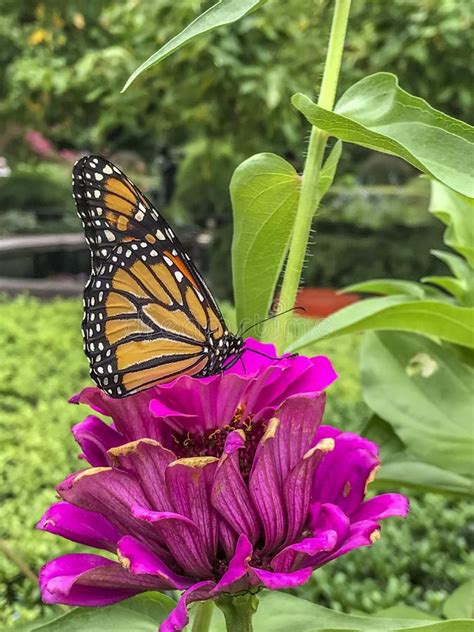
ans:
x=238 y=611
x=308 y=201
x=203 y=617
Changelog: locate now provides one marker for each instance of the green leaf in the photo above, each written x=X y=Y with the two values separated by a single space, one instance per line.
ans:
x=425 y=393
x=400 y=469
x=389 y=287
x=431 y=318
x=141 y=614
x=280 y=612
x=401 y=611
x=460 y=604
x=220 y=14
x=453 y=286
x=457 y=212
x=407 y=472
x=376 y=113
x=264 y=191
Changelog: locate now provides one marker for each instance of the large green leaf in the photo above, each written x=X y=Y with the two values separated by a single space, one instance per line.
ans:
x=390 y=287
x=457 y=212
x=461 y=603
x=220 y=14
x=431 y=318
x=400 y=469
x=140 y=614
x=401 y=611
x=264 y=191
x=425 y=393
x=280 y=612
x=377 y=113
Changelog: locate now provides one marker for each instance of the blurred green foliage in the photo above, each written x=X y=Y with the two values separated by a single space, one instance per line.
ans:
x=224 y=96
x=419 y=561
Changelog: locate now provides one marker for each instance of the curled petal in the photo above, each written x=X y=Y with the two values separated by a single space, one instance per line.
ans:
x=277 y=581
x=238 y=568
x=179 y=617
x=297 y=488
x=189 y=483
x=343 y=476
x=130 y=414
x=96 y=437
x=383 y=506
x=328 y=516
x=183 y=538
x=81 y=579
x=230 y=496
x=79 y=525
x=147 y=460
x=139 y=560
x=299 y=418
x=364 y=533
x=302 y=554
x=265 y=490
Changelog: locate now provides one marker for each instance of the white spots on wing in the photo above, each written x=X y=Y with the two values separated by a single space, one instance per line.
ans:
x=167 y=261
x=134 y=247
x=200 y=296
x=98 y=283
x=139 y=215
x=160 y=235
x=141 y=207
x=178 y=275
x=169 y=232
x=97 y=222
x=109 y=234
x=116 y=378
x=97 y=193
x=119 y=250
x=116 y=170
x=107 y=169
x=98 y=176
x=174 y=252
x=103 y=252
x=143 y=244
x=89 y=194
x=106 y=381
x=100 y=369
x=101 y=296
x=153 y=253
x=128 y=253
x=88 y=175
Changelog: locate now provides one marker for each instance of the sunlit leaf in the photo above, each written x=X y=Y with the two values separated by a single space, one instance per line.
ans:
x=425 y=393
x=376 y=113
x=220 y=14
x=431 y=318
x=264 y=191
x=140 y=614
x=461 y=603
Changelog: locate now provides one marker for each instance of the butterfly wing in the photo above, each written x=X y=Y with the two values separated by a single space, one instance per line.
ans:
x=148 y=314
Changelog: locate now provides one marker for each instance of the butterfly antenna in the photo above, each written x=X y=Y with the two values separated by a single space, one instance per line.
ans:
x=265 y=355
x=264 y=320
x=243 y=364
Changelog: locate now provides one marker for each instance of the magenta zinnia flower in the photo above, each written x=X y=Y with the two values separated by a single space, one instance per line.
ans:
x=213 y=486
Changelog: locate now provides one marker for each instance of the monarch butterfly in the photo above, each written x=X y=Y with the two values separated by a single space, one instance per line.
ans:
x=148 y=314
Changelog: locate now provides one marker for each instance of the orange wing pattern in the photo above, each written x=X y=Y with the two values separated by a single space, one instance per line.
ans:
x=148 y=315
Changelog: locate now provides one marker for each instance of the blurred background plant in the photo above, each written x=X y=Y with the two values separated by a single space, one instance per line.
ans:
x=224 y=97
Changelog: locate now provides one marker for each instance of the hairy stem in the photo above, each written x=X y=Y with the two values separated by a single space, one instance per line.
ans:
x=308 y=201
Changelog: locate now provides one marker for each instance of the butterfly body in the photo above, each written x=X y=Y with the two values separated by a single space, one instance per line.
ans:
x=148 y=314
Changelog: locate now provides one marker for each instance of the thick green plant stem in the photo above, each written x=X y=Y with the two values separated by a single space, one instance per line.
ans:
x=202 y=619
x=238 y=611
x=308 y=201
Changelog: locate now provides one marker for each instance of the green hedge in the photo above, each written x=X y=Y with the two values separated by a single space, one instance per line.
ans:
x=42 y=364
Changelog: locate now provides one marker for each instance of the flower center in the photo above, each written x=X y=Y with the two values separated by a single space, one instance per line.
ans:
x=212 y=442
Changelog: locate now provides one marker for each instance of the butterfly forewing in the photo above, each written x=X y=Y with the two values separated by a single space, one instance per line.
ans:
x=148 y=314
